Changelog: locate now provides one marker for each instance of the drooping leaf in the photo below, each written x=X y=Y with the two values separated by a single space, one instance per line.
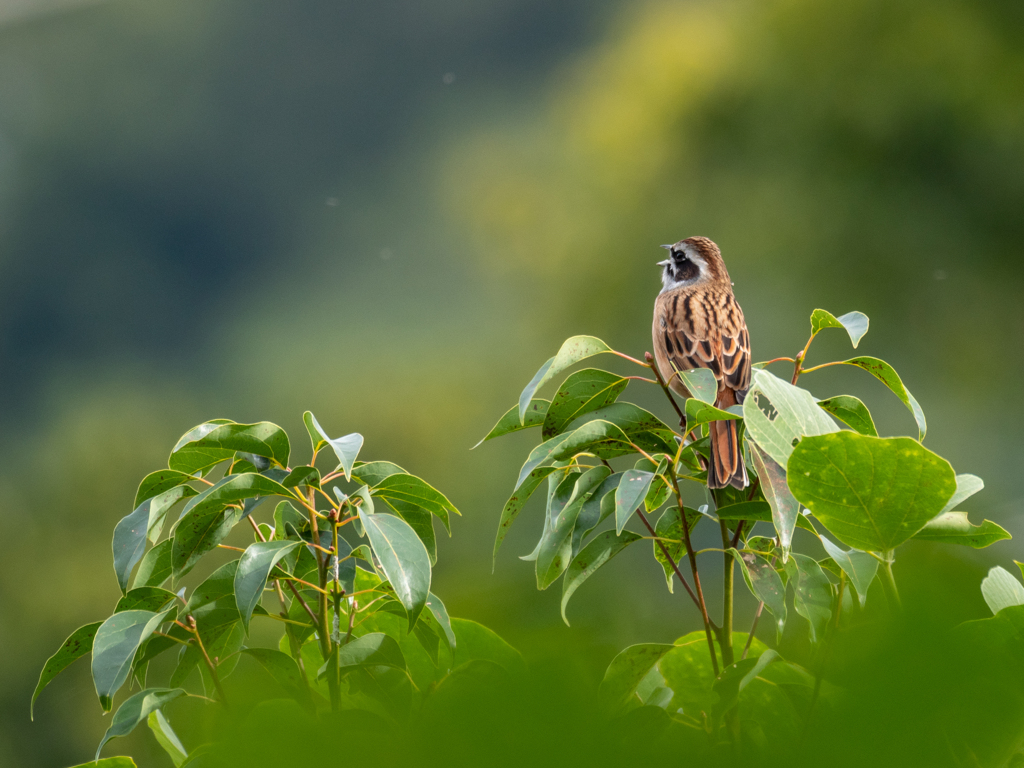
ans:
x=509 y=422
x=785 y=508
x=886 y=374
x=252 y=571
x=955 y=528
x=599 y=551
x=216 y=441
x=630 y=494
x=403 y=558
x=670 y=528
x=555 y=549
x=75 y=647
x=812 y=593
x=765 y=584
x=114 y=645
x=155 y=567
x=440 y=613
x=627 y=670
x=131 y=532
x=515 y=505
x=135 y=709
x=167 y=738
x=698 y=412
x=966 y=486
x=859 y=567
x=855 y=323
x=572 y=351
x=700 y=382
x=580 y=393
x=596 y=508
x=777 y=415
x=157 y=482
x=403 y=490
x=345 y=448
x=852 y=412
x=199 y=532
x=1001 y=590
x=871 y=493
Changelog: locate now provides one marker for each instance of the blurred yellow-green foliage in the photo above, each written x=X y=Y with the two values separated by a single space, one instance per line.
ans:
x=392 y=213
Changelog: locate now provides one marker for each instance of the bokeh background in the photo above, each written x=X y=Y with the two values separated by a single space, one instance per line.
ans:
x=391 y=213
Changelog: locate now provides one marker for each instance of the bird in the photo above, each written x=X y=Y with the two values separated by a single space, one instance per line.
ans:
x=699 y=324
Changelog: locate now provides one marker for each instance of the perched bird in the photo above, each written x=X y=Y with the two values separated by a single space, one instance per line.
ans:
x=698 y=324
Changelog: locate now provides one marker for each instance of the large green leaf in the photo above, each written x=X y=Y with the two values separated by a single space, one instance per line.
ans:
x=345 y=448
x=285 y=672
x=1001 y=590
x=859 y=567
x=167 y=738
x=509 y=422
x=135 y=709
x=572 y=351
x=630 y=494
x=627 y=670
x=812 y=593
x=852 y=412
x=886 y=374
x=155 y=567
x=871 y=493
x=599 y=551
x=855 y=323
x=233 y=489
x=373 y=472
x=580 y=393
x=777 y=415
x=555 y=551
x=403 y=491
x=785 y=509
x=642 y=428
x=955 y=528
x=72 y=649
x=147 y=520
x=252 y=571
x=199 y=532
x=116 y=641
x=157 y=482
x=218 y=440
x=765 y=584
x=403 y=558
x=586 y=438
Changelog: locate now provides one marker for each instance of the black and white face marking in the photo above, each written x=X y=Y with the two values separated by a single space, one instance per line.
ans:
x=682 y=269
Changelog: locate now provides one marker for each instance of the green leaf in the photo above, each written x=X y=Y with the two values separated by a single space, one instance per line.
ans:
x=135 y=709
x=572 y=351
x=777 y=415
x=514 y=505
x=402 y=491
x=155 y=567
x=737 y=676
x=642 y=427
x=199 y=532
x=756 y=511
x=582 y=392
x=252 y=571
x=627 y=671
x=116 y=641
x=860 y=567
x=302 y=477
x=886 y=374
x=871 y=493
x=157 y=482
x=477 y=642
x=955 y=528
x=812 y=593
x=72 y=649
x=219 y=584
x=218 y=440
x=167 y=738
x=373 y=472
x=852 y=412
x=699 y=412
x=600 y=505
x=765 y=584
x=285 y=672
x=536 y=412
x=144 y=599
x=555 y=550
x=599 y=551
x=785 y=509
x=440 y=613
x=670 y=527
x=109 y=762
x=403 y=558
x=630 y=494
x=700 y=382
x=568 y=445
x=372 y=650
x=1001 y=590
x=285 y=513
x=966 y=486
x=231 y=490
x=131 y=532
x=345 y=448
x=855 y=323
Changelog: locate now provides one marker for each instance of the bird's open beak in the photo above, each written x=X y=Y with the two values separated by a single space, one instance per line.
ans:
x=667 y=247
x=664 y=263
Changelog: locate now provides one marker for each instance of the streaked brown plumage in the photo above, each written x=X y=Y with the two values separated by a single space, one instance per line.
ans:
x=699 y=324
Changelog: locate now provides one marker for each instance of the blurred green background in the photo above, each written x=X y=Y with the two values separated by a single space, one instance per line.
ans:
x=391 y=213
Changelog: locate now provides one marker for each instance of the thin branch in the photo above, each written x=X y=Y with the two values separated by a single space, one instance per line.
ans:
x=668 y=393
x=753 y=629
x=209 y=662
x=627 y=357
x=668 y=557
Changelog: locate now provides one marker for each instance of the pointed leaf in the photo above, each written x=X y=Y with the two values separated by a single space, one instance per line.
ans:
x=812 y=593
x=699 y=412
x=670 y=528
x=307 y=477
x=777 y=415
x=199 y=532
x=1001 y=590
x=852 y=412
x=582 y=439
x=403 y=558
x=345 y=448
x=630 y=494
x=252 y=571
x=886 y=374
x=700 y=382
x=403 y=490
x=871 y=493
x=955 y=528
x=216 y=441
x=147 y=520
x=596 y=508
x=157 y=482
x=642 y=428
x=233 y=489
x=603 y=548
x=580 y=393
x=785 y=508
x=72 y=649
x=966 y=486
x=135 y=709
x=555 y=549
x=155 y=567
x=167 y=738
x=116 y=641
x=855 y=323
x=536 y=412
x=765 y=584
x=859 y=567
x=572 y=351
x=441 y=614
x=514 y=505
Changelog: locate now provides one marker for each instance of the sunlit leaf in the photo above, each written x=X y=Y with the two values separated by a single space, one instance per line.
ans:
x=955 y=528
x=402 y=490
x=131 y=532
x=855 y=323
x=630 y=494
x=373 y=472
x=252 y=571
x=536 y=412
x=859 y=567
x=218 y=440
x=157 y=482
x=700 y=382
x=167 y=738
x=346 y=448
x=777 y=415
x=886 y=374
x=403 y=558
x=583 y=439
x=698 y=412
x=852 y=412
x=785 y=508
x=440 y=613
x=75 y=647
x=871 y=493
x=966 y=486
x=1001 y=590
x=580 y=393
x=572 y=351
x=765 y=584
x=199 y=532
x=114 y=645
x=599 y=551
x=135 y=709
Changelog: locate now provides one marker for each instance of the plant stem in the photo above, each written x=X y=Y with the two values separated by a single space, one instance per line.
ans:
x=668 y=393
x=209 y=662
x=753 y=629
x=725 y=638
x=668 y=557
x=261 y=537
x=889 y=583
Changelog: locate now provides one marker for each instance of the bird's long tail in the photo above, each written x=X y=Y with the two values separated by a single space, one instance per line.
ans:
x=727 y=466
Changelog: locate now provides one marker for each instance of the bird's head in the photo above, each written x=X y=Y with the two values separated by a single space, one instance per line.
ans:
x=693 y=261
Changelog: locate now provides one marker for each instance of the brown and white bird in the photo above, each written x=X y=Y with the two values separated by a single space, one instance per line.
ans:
x=698 y=324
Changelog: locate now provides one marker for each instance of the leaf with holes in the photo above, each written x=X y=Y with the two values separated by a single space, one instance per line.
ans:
x=778 y=415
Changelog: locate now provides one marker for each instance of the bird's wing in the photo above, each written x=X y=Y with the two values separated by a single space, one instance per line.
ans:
x=710 y=333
